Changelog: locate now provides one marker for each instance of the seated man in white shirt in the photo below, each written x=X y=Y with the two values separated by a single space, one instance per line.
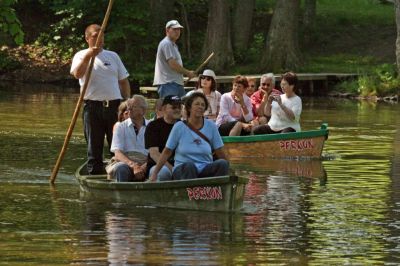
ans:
x=128 y=143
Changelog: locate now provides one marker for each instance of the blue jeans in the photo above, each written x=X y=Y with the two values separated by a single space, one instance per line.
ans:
x=123 y=173
x=164 y=175
x=171 y=88
x=188 y=170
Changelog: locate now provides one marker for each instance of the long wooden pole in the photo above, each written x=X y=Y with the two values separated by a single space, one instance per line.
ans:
x=201 y=66
x=80 y=100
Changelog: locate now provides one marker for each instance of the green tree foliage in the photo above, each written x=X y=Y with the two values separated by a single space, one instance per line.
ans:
x=128 y=34
x=382 y=81
x=9 y=23
x=135 y=28
x=127 y=31
x=66 y=35
x=130 y=30
x=7 y=63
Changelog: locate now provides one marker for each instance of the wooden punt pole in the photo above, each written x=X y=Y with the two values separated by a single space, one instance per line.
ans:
x=201 y=66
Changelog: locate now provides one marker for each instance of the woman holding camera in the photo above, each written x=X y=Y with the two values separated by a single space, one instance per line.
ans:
x=285 y=109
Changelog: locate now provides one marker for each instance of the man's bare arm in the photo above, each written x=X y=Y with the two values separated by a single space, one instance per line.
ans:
x=125 y=88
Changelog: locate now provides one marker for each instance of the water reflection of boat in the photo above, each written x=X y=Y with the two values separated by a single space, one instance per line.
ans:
x=287 y=145
x=146 y=236
x=298 y=168
x=212 y=194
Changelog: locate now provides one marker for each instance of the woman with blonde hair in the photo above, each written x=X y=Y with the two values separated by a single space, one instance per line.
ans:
x=123 y=113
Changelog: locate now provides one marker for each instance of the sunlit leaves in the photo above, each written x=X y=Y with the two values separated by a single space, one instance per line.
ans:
x=9 y=22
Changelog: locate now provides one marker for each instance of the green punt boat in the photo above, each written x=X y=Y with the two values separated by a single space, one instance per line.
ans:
x=224 y=194
x=303 y=144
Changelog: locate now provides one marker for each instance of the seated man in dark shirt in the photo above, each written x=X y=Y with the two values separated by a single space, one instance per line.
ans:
x=157 y=133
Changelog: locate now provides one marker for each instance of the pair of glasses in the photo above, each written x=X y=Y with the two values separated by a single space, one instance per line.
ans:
x=206 y=78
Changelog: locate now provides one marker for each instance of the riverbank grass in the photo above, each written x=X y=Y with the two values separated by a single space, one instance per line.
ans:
x=356 y=12
x=356 y=36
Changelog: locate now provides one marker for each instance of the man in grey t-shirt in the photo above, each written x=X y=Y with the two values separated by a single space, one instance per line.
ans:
x=169 y=70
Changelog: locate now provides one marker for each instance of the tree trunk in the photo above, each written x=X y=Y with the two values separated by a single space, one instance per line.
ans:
x=161 y=12
x=218 y=36
x=242 y=29
x=282 y=47
x=310 y=9
x=186 y=36
x=397 y=8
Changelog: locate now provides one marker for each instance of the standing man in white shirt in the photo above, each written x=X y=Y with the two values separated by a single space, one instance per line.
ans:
x=169 y=70
x=108 y=85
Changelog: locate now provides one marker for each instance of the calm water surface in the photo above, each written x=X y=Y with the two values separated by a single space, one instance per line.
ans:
x=343 y=210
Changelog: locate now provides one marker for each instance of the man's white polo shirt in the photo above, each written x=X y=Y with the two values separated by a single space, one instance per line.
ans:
x=126 y=140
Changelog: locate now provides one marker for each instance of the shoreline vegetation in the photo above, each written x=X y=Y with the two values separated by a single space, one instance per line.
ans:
x=355 y=36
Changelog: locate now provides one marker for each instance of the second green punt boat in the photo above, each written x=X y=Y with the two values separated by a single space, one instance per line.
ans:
x=303 y=144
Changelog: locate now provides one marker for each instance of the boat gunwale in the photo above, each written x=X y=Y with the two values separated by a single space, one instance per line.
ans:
x=101 y=182
x=323 y=131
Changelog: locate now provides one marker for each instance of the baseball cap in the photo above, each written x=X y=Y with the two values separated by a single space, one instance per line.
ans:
x=173 y=24
x=171 y=99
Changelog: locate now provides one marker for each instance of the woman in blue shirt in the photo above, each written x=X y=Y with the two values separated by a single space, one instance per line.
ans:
x=194 y=142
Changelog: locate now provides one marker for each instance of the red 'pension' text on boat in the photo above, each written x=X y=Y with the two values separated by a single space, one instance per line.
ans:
x=303 y=144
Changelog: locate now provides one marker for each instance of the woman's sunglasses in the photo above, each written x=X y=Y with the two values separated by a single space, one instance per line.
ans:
x=206 y=78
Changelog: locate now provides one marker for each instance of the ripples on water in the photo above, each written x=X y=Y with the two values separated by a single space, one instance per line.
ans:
x=343 y=210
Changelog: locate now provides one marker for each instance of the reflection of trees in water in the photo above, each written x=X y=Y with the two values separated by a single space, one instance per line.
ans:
x=281 y=191
x=290 y=167
x=283 y=203
x=394 y=215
